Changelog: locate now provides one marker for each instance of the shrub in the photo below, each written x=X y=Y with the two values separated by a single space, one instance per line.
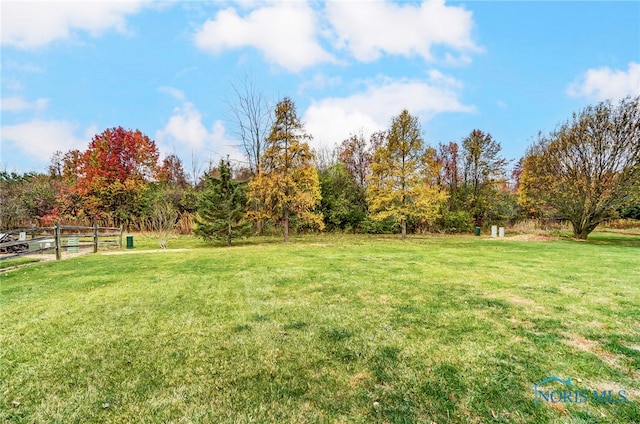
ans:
x=457 y=222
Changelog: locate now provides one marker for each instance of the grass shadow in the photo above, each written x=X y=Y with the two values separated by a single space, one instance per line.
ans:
x=614 y=239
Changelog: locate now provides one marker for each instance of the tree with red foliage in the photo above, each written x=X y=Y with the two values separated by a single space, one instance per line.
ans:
x=356 y=156
x=172 y=172
x=113 y=173
x=120 y=155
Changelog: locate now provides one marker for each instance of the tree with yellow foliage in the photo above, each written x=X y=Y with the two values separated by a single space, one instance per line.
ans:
x=401 y=184
x=588 y=169
x=287 y=183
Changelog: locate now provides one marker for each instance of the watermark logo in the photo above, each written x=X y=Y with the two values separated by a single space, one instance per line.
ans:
x=568 y=393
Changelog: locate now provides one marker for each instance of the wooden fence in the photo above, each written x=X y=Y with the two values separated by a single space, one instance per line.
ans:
x=26 y=241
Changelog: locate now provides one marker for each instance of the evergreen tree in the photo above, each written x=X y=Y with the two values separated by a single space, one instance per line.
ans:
x=221 y=207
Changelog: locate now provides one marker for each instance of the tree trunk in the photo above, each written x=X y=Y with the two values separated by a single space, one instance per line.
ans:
x=285 y=224
x=403 y=224
x=260 y=227
x=583 y=235
x=229 y=232
x=260 y=223
x=582 y=231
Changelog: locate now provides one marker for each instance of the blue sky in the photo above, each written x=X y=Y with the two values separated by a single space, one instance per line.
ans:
x=509 y=68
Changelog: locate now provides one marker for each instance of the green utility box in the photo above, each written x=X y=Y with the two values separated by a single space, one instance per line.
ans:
x=129 y=242
x=73 y=244
x=477 y=232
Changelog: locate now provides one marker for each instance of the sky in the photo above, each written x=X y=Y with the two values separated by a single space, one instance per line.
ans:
x=70 y=70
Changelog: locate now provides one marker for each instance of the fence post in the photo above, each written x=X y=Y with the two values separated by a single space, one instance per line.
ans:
x=120 y=240
x=58 y=242
x=95 y=238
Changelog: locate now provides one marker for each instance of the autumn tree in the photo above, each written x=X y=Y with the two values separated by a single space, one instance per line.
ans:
x=484 y=174
x=400 y=185
x=28 y=199
x=13 y=211
x=449 y=174
x=342 y=184
x=170 y=193
x=221 y=206
x=516 y=172
x=588 y=168
x=355 y=154
x=64 y=170
x=171 y=171
x=66 y=167
x=113 y=173
x=287 y=182
x=455 y=217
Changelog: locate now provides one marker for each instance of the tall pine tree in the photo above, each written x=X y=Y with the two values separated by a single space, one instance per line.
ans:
x=287 y=182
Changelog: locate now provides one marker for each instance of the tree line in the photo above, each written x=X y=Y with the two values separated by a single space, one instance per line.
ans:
x=584 y=172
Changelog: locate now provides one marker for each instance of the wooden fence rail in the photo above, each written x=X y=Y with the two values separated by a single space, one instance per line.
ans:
x=26 y=241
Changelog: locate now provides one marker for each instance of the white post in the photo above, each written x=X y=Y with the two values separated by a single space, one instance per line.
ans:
x=501 y=232
x=494 y=231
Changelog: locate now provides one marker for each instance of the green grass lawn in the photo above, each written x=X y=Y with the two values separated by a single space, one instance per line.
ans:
x=18 y=261
x=352 y=329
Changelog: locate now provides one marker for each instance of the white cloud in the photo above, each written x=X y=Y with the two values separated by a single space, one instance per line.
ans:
x=606 y=83
x=319 y=81
x=40 y=139
x=285 y=33
x=224 y=145
x=30 y=24
x=18 y=104
x=185 y=133
x=372 y=29
x=331 y=120
x=185 y=128
x=173 y=92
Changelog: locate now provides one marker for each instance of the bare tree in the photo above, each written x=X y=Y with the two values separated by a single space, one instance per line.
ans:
x=195 y=170
x=251 y=119
x=163 y=219
x=324 y=157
